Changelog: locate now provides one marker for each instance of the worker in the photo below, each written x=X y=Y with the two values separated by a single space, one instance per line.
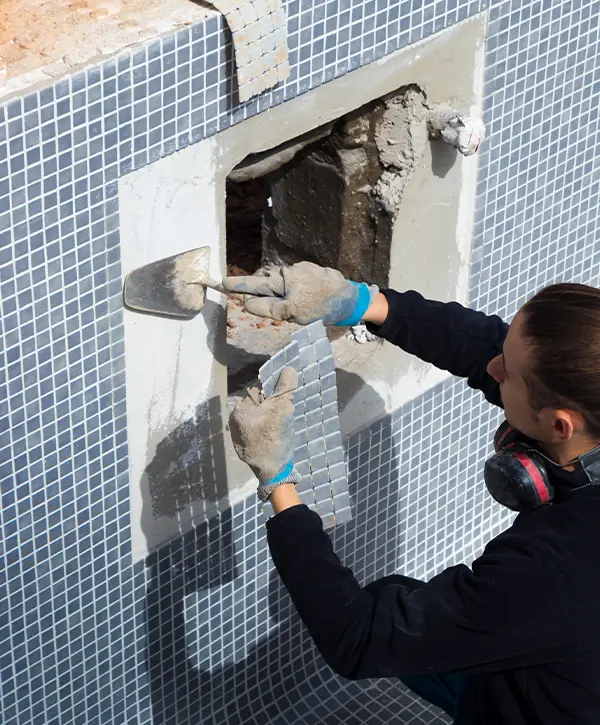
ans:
x=515 y=638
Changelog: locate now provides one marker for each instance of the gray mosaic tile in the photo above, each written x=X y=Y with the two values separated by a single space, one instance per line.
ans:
x=319 y=448
x=90 y=617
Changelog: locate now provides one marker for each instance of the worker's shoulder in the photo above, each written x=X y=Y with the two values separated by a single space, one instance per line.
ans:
x=562 y=539
x=570 y=524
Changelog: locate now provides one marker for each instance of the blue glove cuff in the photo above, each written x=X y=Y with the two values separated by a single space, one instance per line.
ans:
x=280 y=477
x=288 y=475
x=362 y=305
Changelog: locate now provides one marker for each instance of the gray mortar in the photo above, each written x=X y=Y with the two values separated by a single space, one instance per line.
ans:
x=401 y=137
x=439 y=117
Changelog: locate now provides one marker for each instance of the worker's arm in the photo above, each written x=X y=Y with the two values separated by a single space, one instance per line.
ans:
x=445 y=334
x=513 y=609
x=304 y=292
x=449 y=336
x=503 y=613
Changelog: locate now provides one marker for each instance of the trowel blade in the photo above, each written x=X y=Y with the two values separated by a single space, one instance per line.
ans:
x=172 y=286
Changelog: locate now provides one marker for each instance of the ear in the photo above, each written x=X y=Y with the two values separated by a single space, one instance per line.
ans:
x=565 y=425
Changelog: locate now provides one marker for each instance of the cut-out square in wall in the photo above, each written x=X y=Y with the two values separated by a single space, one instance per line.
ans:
x=319 y=456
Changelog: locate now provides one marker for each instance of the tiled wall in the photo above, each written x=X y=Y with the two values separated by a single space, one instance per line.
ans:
x=203 y=632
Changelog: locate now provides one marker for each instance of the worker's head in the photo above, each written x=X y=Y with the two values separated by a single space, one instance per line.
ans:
x=549 y=372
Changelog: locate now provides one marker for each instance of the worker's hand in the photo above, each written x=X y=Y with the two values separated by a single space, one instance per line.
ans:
x=262 y=431
x=304 y=293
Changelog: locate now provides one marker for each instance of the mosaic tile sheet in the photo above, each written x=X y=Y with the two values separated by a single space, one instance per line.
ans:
x=259 y=37
x=319 y=454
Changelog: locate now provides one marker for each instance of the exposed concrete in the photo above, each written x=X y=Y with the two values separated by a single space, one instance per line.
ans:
x=323 y=209
x=257 y=165
x=41 y=40
x=335 y=204
x=401 y=138
x=174 y=368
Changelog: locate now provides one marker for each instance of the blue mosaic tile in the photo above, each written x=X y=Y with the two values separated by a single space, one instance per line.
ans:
x=184 y=637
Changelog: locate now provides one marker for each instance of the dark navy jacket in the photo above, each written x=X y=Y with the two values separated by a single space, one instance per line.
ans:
x=524 y=620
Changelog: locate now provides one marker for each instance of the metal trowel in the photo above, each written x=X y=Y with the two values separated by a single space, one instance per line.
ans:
x=174 y=286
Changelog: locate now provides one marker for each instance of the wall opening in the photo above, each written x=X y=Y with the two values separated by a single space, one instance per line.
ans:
x=250 y=340
x=245 y=205
x=329 y=197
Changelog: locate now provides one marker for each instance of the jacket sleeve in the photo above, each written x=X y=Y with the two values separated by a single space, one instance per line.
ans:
x=446 y=334
x=500 y=614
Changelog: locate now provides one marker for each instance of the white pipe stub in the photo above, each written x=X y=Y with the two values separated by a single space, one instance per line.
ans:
x=465 y=133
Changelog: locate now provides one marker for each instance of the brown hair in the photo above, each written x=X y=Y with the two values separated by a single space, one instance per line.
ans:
x=562 y=325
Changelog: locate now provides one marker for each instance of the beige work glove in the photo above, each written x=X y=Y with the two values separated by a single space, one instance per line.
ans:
x=304 y=293
x=262 y=431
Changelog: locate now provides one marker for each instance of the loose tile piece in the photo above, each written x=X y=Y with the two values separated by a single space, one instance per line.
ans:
x=319 y=454
x=259 y=32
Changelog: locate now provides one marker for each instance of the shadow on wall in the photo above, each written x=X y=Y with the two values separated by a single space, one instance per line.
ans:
x=283 y=672
x=443 y=157
x=188 y=466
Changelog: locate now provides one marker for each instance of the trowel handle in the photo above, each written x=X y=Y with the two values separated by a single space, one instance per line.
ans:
x=213 y=284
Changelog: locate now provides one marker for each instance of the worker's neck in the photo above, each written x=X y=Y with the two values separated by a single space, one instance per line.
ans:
x=564 y=453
